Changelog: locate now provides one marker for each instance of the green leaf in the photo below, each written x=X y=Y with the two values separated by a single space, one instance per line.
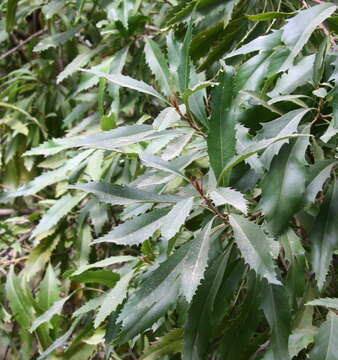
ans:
x=158 y=65
x=55 y=309
x=199 y=320
x=48 y=291
x=169 y=344
x=124 y=195
x=332 y=130
x=318 y=174
x=10 y=14
x=128 y=82
x=113 y=298
x=105 y=277
x=323 y=237
x=276 y=309
x=57 y=39
x=136 y=230
x=284 y=126
x=22 y=309
x=299 y=28
x=221 y=137
x=80 y=60
x=326 y=341
x=154 y=297
x=176 y=218
x=59 y=342
x=184 y=61
x=48 y=178
x=222 y=196
x=270 y=15
x=284 y=185
x=195 y=262
x=158 y=163
x=330 y=303
x=166 y=117
x=256 y=248
x=54 y=214
x=102 y=263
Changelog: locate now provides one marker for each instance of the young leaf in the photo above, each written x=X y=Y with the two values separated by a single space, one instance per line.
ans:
x=256 y=248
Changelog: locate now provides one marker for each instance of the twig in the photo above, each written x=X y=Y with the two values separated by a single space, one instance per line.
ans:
x=13 y=261
x=174 y=103
x=22 y=43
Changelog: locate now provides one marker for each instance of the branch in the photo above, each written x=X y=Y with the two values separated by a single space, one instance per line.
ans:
x=22 y=43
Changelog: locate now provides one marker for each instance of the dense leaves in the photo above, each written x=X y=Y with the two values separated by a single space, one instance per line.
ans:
x=168 y=180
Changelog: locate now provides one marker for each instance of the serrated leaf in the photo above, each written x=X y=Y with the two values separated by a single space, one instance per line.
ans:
x=176 y=218
x=57 y=39
x=54 y=214
x=21 y=308
x=136 y=230
x=284 y=185
x=299 y=28
x=270 y=15
x=326 y=341
x=281 y=127
x=222 y=196
x=183 y=69
x=155 y=295
x=128 y=82
x=195 y=262
x=221 y=137
x=255 y=247
x=48 y=291
x=169 y=344
x=318 y=174
x=113 y=298
x=323 y=237
x=55 y=309
x=158 y=163
x=124 y=195
x=158 y=65
x=80 y=60
x=166 y=117
x=330 y=303
x=332 y=130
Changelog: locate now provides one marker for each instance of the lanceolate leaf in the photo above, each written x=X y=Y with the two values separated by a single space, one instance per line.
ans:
x=124 y=195
x=176 y=218
x=276 y=309
x=156 y=294
x=158 y=65
x=221 y=137
x=284 y=186
x=128 y=82
x=222 y=196
x=256 y=248
x=299 y=28
x=323 y=237
x=184 y=61
x=195 y=262
x=136 y=230
x=326 y=341
x=330 y=303
x=56 y=212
